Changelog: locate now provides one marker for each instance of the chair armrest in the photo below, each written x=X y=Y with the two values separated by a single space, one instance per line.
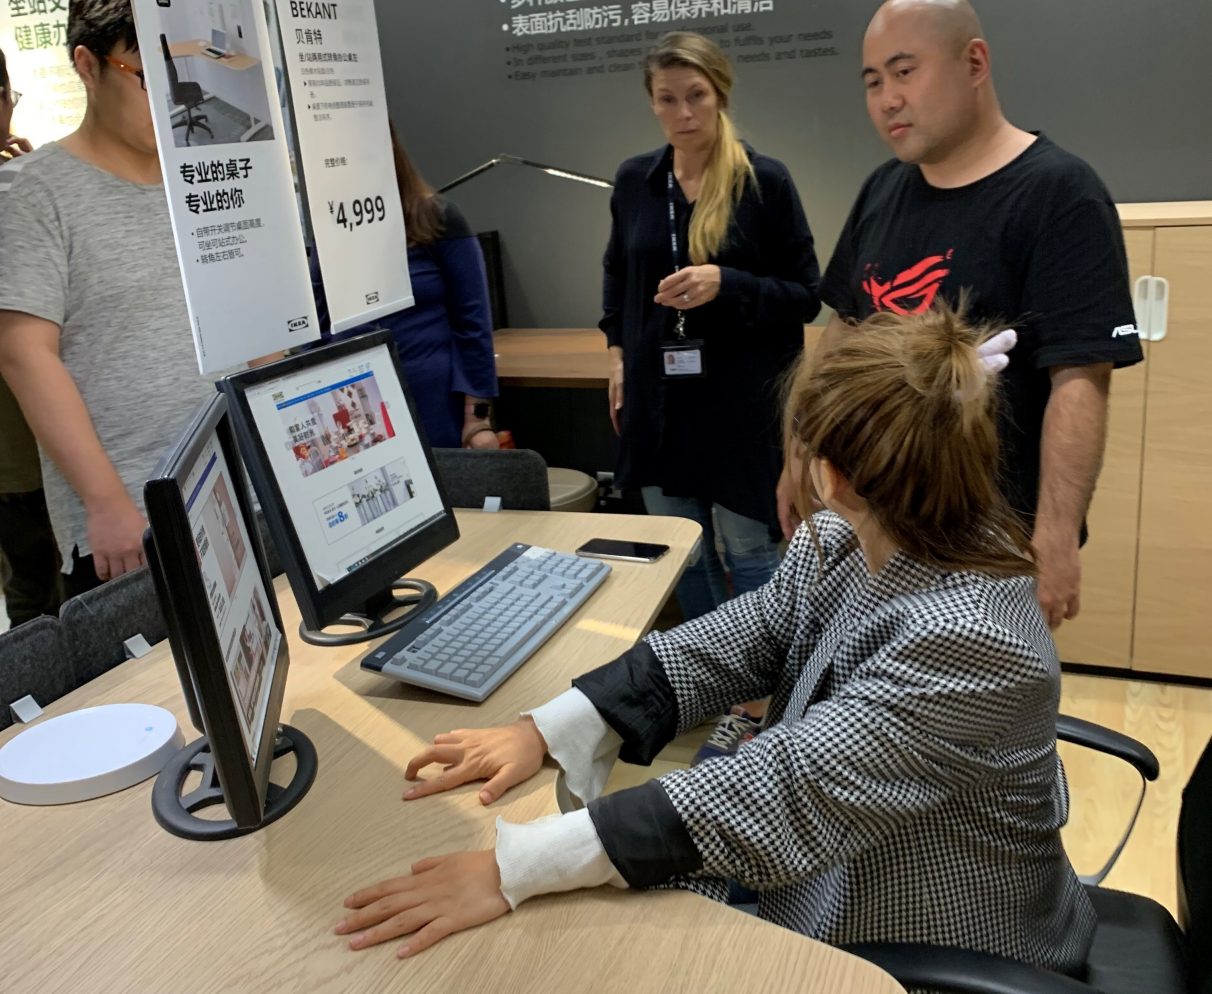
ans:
x=1092 y=736
x=948 y=970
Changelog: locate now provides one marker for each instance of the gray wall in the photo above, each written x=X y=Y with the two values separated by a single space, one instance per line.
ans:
x=1119 y=82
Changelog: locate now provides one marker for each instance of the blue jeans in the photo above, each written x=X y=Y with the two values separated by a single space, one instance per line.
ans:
x=751 y=555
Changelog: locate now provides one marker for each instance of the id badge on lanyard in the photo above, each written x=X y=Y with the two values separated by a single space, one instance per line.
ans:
x=683 y=357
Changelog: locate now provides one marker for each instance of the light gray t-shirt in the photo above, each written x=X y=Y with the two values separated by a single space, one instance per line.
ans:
x=95 y=255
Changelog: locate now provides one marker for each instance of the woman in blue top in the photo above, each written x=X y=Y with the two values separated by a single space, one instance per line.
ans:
x=445 y=338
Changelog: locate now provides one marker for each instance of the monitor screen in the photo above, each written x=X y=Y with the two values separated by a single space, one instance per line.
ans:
x=347 y=481
x=211 y=575
x=235 y=592
x=218 y=39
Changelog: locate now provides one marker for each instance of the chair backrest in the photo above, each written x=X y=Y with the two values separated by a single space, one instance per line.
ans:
x=1195 y=872
x=173 y=79
x=33 y=661
x=517 y=476
x=97 y=623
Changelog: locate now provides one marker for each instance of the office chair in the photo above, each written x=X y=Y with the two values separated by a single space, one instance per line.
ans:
x=187 y=94
x=33 y=661
x=1138 y=947
x=517 y=476
x=98 y=622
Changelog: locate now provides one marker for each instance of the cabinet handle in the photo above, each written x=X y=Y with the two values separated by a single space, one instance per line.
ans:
x=1141 y=305
x=1159 y=308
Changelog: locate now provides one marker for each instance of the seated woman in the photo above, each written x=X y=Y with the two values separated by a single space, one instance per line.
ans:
x=907 y=785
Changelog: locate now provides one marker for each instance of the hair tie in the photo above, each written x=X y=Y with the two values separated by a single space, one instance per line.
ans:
x=993 y=352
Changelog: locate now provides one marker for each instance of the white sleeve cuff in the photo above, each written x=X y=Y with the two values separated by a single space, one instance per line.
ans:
x=579 y=739
x=557 y=853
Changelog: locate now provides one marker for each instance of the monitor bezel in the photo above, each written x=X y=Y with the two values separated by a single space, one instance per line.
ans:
x=192 y=637
x=320 y=607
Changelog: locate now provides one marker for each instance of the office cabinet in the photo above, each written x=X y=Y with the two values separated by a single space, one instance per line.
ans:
x=1101 y=635
x=1174 y=572
x=1147 y=569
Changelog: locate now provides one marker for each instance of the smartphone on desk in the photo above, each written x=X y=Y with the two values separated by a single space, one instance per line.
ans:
x=614 y=548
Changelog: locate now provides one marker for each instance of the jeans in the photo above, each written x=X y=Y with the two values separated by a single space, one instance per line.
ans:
x=750 y=553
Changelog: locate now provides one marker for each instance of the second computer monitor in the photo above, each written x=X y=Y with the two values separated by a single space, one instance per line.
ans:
x=218 y=602
x=345 y=477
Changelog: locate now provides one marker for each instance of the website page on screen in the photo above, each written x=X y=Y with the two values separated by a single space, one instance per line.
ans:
x=347 y=458
x=238 y=602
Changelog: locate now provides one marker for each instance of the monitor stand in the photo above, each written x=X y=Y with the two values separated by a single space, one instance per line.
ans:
x=175 y=811
x=372 y=621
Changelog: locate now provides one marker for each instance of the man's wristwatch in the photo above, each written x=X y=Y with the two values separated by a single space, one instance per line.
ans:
x=480 y=409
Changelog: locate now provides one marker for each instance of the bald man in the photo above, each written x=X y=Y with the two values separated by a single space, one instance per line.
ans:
x=973 y=203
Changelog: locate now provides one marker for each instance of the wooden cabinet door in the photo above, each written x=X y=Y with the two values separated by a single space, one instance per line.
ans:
x=1174 y=577
x=1101 y=634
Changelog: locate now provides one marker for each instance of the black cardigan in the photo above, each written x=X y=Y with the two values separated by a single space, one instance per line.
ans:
x=715 y=438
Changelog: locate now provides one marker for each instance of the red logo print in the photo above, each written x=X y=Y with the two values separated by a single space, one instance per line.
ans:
x=912 y=291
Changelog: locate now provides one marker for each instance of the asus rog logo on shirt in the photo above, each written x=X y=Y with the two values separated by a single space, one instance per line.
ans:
x=911 y=291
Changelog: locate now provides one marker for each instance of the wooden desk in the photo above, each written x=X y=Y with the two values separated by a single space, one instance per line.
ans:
x=564 y=357
x=552 y=357
x=97 y=898
x=196 y=46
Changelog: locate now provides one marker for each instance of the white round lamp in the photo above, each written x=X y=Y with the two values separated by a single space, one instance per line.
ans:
x=87 y=753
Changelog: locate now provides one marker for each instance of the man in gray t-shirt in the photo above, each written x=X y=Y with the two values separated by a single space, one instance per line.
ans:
x=94 y=334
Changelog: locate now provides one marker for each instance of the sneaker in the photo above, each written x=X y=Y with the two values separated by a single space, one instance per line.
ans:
x=732 y=731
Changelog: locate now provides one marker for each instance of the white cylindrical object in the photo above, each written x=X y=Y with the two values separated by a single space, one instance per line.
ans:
x=89 y=753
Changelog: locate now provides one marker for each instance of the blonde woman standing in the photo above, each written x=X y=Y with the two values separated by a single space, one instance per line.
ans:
x=710 y=275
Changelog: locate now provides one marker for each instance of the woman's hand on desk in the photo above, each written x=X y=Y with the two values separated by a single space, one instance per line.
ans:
x=441 y=896
x=504 y=756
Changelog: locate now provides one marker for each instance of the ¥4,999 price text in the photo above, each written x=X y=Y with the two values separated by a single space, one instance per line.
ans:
x=365 y=210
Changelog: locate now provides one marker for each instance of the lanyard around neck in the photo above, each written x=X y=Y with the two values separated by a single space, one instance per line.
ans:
x=680 y=327
x=674 y=241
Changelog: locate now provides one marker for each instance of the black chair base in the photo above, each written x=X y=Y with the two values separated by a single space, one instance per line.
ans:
x=191 y=123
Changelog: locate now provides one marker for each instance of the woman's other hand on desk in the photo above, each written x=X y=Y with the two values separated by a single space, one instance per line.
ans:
x=504 y=756
x=442 y=895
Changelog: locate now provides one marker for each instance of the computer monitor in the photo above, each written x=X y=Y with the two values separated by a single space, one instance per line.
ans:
x=347 y=482
x=218 y=40
x=211 y=575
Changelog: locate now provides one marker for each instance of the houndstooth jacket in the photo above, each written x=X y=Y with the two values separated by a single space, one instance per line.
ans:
x=907 y=786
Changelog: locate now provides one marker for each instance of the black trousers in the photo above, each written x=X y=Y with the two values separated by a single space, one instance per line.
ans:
x=30 y=569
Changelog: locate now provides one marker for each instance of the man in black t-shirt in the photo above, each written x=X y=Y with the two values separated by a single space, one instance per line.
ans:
x=973 y=204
